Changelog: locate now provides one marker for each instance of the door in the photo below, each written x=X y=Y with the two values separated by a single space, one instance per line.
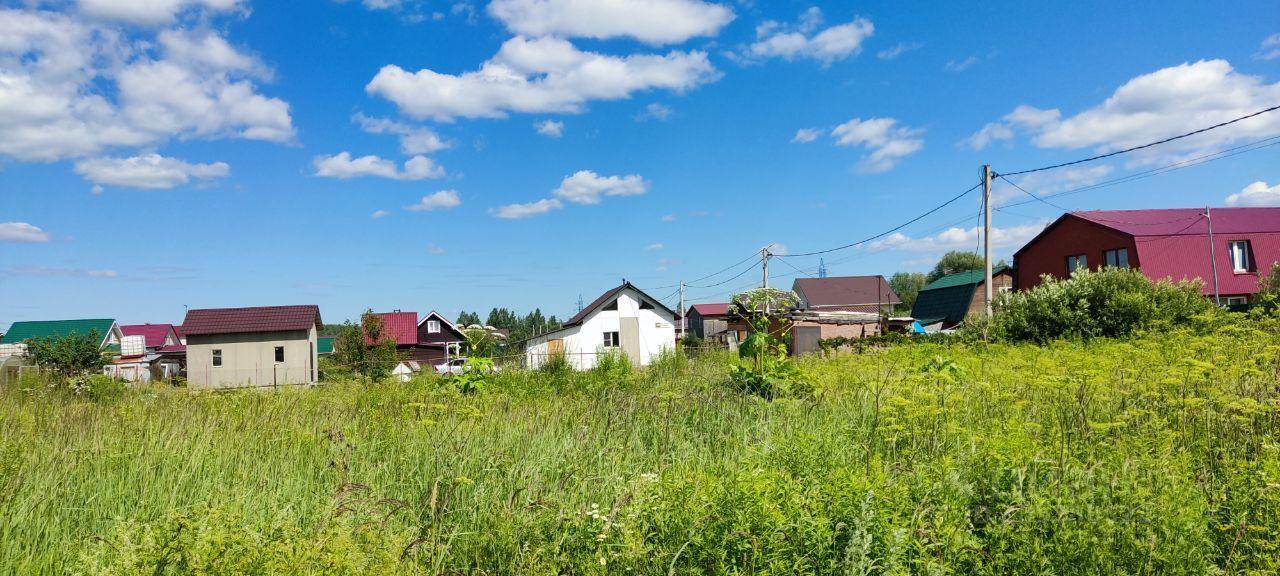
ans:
x=806 y=339
x=554 y=348
x=629 y=336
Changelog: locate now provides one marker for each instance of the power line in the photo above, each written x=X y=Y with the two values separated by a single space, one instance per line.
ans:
x=891 y=230
x=1147 y=145
x=1028 y=193
x=735 y=277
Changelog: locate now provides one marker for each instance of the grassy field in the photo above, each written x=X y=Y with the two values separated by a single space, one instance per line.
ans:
x=1158 y=455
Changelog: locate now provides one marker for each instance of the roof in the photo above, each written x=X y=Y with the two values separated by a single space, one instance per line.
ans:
x=253 y=319
x=438 y=316
x=607 y=297
x=399 y=326
x=975 y=277
x=152 y=334
x=845 y=291
x=324 y=345
x=711 y=309
x=23 y=331
x=1185 y=221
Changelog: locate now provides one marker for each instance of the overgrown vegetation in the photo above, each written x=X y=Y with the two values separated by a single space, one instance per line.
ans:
x=365 y=350
x=69 y=355
x=1150 y=455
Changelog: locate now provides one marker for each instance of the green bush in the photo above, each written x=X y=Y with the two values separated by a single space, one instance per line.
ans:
x=99 y=387
x=612 y=364
x=1112 y=302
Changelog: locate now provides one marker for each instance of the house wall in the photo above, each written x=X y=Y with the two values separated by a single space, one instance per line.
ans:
x=584 y=343
x=1071 y=236
x=978 y=304
x=705 y=326
x=248 y=359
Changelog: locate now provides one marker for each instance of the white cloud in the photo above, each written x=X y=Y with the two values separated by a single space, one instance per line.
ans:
x=22 y=232
x=442 y=200
x=1154 y=106
x=343 y=166
x=669 y=218
x=537 y=75
x=586 y=187
x=1270 y=48
x=649 y=21
x=805 y=40
x=1023 y=118
x=1042 y=183
x=70 y=88
x=54 y=271
x=413 y=139
x=960 y=65
x=433 y=249
x=147 y=171
x=778 y=249
x=149 y=12
x=380 y=214
x=549 y=128
x=655 y=246
x=806 y=135
x=655 y=111
x=898 y=50
x=518 y=211
x=1256 y=194
x=959 y=239
x=885 y=141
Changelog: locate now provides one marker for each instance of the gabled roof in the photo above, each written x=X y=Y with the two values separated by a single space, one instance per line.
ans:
x=974 y=277
x=253 y=319
x=720 y=309
x=402 y=327
x=607 y=297
x=948 y=298
x=845 y=291
x=441 y=318
x=23 y=331
x=152 y=334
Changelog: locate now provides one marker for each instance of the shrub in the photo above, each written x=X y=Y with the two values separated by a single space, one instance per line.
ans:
x=612 y=364
x=1107 y=303
x=69 y=355
x=99 y=387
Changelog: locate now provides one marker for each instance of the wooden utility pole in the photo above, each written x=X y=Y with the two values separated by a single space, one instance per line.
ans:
x=764 y=255
x=986 y=235
x=1213 y=258
x=684 y=320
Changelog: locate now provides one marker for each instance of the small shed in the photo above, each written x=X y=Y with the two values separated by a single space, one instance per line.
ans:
x=624 y=320
x=254 y=346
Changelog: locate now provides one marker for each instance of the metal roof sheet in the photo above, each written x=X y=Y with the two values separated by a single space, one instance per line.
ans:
x=845 y=291
x=251 y=319
x=23 y=331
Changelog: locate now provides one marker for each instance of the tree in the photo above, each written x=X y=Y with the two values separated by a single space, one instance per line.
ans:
x=955 y=261
x=69 y=355
x=468 y=318
x=907 y=286
x=374 y=361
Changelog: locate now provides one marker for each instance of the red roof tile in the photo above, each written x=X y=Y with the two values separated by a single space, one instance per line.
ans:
x=399 y=326
x=255 y=319
x=152 y=334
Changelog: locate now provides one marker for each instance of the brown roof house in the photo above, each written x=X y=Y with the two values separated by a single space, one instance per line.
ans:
x=245 y=347
x=846 y=294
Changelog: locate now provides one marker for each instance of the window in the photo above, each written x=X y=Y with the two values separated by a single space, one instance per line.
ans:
x=217 y=358
x=1235 y=301
x=433 y=326
x=279 y=353
x=611 y=306
x=610 y=339
x=1077 y=262
x=1118 y=258
x=1239 y=250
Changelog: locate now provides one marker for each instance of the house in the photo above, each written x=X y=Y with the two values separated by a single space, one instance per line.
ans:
x=846 y=293
x=260 y=346
x=105 y=329
x=809 y=327
x=949 y=300
x=430 y=341
x=1226 y=248
x=624 y=319
x=711 y=322
x=148 y=352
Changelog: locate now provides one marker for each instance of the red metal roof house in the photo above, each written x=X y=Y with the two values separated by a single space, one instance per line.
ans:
x=1164 y=243
x=430 y=340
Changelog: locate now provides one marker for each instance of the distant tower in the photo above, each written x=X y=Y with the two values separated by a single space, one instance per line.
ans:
x=579 y=302
x=822 y=268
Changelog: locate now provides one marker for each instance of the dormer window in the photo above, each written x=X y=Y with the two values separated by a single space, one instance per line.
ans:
x=1240 y=255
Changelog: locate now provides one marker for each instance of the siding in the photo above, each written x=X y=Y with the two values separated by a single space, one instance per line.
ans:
x=1068 y=237
x=248 y=359
x=583 y=343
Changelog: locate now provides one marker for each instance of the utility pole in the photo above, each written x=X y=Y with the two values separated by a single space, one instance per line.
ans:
x=764 y=255
x=684 y=320
x=986 y=235
x=1213 y=258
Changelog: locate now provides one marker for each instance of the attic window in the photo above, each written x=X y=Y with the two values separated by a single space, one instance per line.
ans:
x=611 y=306
x=1240 y=260
x=646 y=305
x=433 y=326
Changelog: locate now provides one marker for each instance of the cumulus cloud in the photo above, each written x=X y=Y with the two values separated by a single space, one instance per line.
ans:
x=149 y=12
x=549 y=128
x=806 y=135
x=380 y=214
x=70 y=88
x=587 y=187
x=655 y=111
x=147 y=171
x=413 y=139
x=343 y=166
x=808 y=39
x=650 y=21
x=22 y=232
x=1042 y=183
x=1256 y=194
x=537 y=75
x=1151 y=107
x=442 y=200
x=898 y=49
x=518 y=211
x=959 y=239
x=1270 y=48
x=885 y=141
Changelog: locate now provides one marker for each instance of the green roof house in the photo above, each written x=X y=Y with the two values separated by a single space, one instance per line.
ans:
x=105 y=328
x=951 y=299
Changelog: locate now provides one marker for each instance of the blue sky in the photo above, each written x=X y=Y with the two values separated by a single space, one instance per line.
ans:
x=460 y=156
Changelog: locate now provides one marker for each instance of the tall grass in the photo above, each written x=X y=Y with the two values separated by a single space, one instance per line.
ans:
x=1152 y=455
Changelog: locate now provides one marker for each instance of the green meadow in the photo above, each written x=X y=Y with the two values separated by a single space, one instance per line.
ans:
x=1158 y=454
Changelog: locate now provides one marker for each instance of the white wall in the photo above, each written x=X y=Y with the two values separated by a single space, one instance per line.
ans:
x=583 y=343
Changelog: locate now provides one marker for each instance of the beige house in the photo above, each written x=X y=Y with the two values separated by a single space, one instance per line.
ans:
x=246 y=347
